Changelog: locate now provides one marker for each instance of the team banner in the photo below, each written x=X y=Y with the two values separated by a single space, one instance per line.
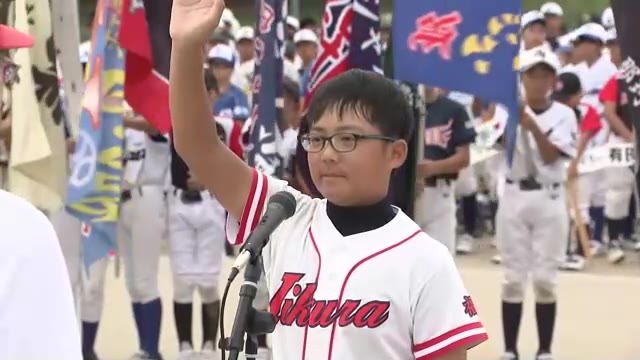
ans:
x=626 y=14
x=93 y=191
x=458 y=45
x=37 y=162
x=144 y=35
x=266 y=109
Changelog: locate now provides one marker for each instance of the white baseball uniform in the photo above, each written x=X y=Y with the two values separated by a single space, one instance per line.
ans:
x=196 y=239
x=143 y=220
x=532 y=220
x=37 y=317
x=344 y=298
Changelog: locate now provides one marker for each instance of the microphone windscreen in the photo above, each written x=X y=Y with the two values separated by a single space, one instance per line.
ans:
x=286 y=200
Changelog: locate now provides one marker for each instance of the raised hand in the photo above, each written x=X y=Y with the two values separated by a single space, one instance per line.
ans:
x=192 y=21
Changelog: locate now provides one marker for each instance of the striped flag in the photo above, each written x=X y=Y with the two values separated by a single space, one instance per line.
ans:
x=93 y=191
x=37 y=163
x=144 y=34
x=266 y=111
x=350 y=39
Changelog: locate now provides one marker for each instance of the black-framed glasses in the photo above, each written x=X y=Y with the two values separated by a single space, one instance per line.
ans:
x=341 y=142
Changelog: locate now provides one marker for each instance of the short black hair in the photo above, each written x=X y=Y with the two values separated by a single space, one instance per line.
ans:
x=372 y=96
x=210 y=82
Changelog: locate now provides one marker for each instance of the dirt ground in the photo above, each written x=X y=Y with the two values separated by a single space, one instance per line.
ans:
x=597 y=318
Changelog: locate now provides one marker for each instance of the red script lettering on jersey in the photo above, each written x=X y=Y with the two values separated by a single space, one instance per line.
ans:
x=304 y=310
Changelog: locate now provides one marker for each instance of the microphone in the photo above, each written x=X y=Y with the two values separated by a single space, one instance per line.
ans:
x=281 y=206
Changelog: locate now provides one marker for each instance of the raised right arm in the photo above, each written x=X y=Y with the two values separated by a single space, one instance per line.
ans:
x=225 y=175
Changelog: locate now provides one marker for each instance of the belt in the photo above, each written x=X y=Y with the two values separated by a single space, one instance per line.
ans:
x=530 y=184
x=188 y=196
x=434 y=181
x=126 y=195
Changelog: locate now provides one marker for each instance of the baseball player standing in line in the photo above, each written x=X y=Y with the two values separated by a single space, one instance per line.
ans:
x=533 y=30
x=196 y=247
x=350 y=276
x=142 y=227
x=594 y=70
x=620 y=181
x=37 y=313
x=447 y=135
x=531 y=226
x=568 y=91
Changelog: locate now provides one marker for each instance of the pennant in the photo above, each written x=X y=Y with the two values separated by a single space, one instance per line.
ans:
x=458 y=45
x=144 y=35
x=38 y=161
x=266 y=110
x=93 y=191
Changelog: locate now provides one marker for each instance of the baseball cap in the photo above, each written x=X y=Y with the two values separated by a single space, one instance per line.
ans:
x=245 y=33
x=305 y=35
x=551 y=8
x=591 y=32
x=531 y=17
x=607 y=19
x=222 y=54
x=612 y=36
x=568 y=85
x=11 y=38
x=536 y=56
x=293 y=22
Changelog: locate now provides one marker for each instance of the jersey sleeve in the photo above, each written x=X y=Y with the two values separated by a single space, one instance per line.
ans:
x=609 y=93
x=564 y=134
x=262 y=188
x=445 y=317
x=590 y=122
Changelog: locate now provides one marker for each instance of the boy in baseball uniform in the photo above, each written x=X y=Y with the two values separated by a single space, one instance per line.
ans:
x=532 y=220
x=350 y=276
x=37 y=317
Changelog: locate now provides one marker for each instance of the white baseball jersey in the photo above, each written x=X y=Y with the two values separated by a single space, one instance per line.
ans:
x=37 y=312
x=147 y=161
x=561 y=126
x=392 y=293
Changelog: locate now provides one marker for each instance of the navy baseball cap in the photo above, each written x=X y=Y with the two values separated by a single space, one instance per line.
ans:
x=567 y=85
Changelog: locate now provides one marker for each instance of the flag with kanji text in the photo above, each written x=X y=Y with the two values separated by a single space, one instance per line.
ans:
x=462 y=46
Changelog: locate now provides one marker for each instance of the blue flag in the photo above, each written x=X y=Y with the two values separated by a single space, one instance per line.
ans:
x=93 y=191
x=458 y=45
x=267 y=88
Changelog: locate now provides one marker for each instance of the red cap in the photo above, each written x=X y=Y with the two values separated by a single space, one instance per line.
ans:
x=11 y=38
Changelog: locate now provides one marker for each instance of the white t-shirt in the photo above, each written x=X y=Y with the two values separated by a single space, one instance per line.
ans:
x=392 y=293
x=37 y=315
x=561 y=126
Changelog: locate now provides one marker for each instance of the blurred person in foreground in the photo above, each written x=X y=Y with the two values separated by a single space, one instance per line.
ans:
x=37 y=314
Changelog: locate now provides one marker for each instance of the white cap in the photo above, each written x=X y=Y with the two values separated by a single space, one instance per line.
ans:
x=245 y=33
x=592 y=31
x=607 y=19
x=538 y=55
x=551 y=8
x=305 y=35
x=530 y=17
x=222 y=52
x=293 y=22
x=85 y=52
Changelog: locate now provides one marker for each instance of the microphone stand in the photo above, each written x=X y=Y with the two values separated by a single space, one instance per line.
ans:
x=248 y=320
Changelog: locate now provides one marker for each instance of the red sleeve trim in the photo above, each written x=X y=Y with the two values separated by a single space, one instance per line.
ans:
x=467 y=343
x=253 y=206
x=609 y=92
x=468 y=334
x=234 y=139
